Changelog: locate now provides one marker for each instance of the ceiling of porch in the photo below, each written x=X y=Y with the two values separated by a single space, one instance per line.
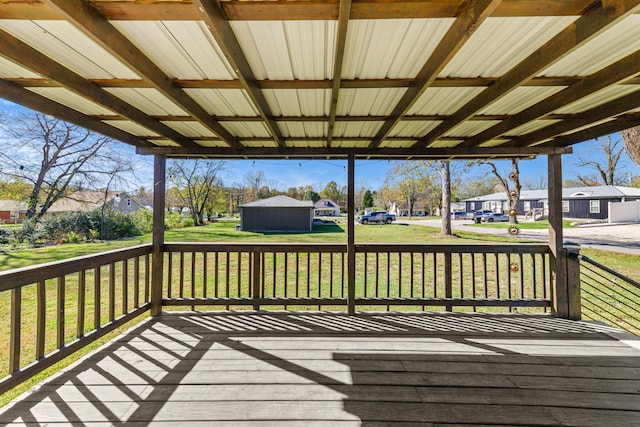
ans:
x=373 y=78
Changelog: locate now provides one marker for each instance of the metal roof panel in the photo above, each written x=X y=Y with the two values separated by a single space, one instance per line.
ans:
x=520 y=99
x=190 y=129
x=443 y=100
x=224 y=102
x=72 y=100
x=298 y=102
x=363 y=102
x=415 y=128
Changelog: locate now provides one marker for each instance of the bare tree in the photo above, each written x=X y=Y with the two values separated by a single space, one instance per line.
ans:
x=253 y=180
x=512 y=191
x=604 y=173
x=631 y=138
x=51 y=155
x=197 y=183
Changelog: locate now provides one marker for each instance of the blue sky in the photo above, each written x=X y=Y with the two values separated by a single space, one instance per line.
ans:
x=369 y=173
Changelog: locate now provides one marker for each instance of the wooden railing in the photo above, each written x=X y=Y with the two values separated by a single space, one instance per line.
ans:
x=308 y=275
x=55 y=309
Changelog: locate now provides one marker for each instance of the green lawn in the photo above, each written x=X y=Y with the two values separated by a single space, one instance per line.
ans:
x=225 y=231
x=528 y=225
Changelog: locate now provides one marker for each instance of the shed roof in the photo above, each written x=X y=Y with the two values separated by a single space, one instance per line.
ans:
x=12 y=205
x=279 y=202
x=327 y=78
x=82 y=201
x=596 y=192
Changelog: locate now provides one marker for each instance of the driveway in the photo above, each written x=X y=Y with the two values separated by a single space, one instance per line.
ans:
x=611 y=237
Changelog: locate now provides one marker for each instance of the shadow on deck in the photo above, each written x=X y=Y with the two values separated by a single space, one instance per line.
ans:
x=330 y=369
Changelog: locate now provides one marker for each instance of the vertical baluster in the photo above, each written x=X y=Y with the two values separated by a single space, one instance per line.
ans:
x=509 y=294
x=484 y=275
x=533 y=276
x=193 y=276
x=400 y=274
x=81 y=303
x=251 y=260
x=388 y=278
x=97 y=300
x=473 y=278
x=181 y=280
x=239 y=276
x=411 y=274
x=136 y=283
x=342 y=275
x=308 y=275
x=112 y=291
x=331 y=274
x=366 y=257
x=286 y=273
x=169 y=274
x=319 y=275
x=297 y=274
x=448 y=279
x=497 y=275
x=205 y=267
x=16 y=320
x=461 y=274
x=521 y=276
x=257 y=261
x=216 y=274
x=273 y=285
x=264 y=275
x=545 y=259
x=377 y=274
x=125 y=286
x=40 y=318
x=423 y=280
x=147 y=277
x=227 y=278
x=435 y=275
x=60 y=312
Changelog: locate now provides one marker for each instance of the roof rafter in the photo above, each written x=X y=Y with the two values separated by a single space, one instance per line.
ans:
x=594 y=22
x=37 y=102
x=298 y=10
x=621 y=123
x=615 y=73
x=469 y=19
x=214 y=17
x=21 y=53
x=99 y=29
x=602 y=112
x=341 y=39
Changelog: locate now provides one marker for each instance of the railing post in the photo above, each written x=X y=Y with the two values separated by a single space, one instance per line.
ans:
x=351 y=244
x=257 y=279
x=559 y=291
x=573 y=282
x=157 y=254
x=448 y=279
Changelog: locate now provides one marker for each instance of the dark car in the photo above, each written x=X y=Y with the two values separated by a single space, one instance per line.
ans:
x=458 y=215
x=380 y=217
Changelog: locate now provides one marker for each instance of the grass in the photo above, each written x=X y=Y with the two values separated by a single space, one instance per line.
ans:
x=527 y=225
x=223 y=231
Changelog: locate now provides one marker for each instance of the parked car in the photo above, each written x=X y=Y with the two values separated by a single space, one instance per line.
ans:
x=380 y=217
x=494 y=217
x=458 y=215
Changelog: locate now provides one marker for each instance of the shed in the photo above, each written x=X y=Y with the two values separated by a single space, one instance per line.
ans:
x=326 y=207
x=279 y=213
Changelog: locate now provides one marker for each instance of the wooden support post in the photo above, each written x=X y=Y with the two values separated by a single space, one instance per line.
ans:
x=351 y=241
x=157 y=259
x=573 y=283
x=559 y=288
x=257 y=279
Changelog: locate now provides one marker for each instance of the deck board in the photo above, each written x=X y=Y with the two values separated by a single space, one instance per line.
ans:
x=323 y=369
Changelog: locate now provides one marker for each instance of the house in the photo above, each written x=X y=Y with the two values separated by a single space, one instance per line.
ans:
x=402 y=209
x=86 y=201
x=577 y=202
x=12 y=211
x=279 y=213
x=326 y=207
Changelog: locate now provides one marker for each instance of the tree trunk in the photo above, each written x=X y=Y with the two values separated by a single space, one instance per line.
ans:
x=445 y=171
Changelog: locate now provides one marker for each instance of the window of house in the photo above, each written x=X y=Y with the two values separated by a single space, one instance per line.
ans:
x=594 y=206
x=472 y=206
x=565 y=206
x=527 y=205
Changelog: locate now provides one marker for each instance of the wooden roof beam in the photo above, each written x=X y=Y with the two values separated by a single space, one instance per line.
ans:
x=21 y=53
x=615 y=73
x=214 y=17
x=26 y=98
x=594 y=22
x=469 y=19
x=621 y=123
x=294 y=10
x=611 y=109
x=341 y=39
x=99 y=29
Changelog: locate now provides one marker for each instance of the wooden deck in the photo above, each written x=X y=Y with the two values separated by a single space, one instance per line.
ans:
x=328 y=369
